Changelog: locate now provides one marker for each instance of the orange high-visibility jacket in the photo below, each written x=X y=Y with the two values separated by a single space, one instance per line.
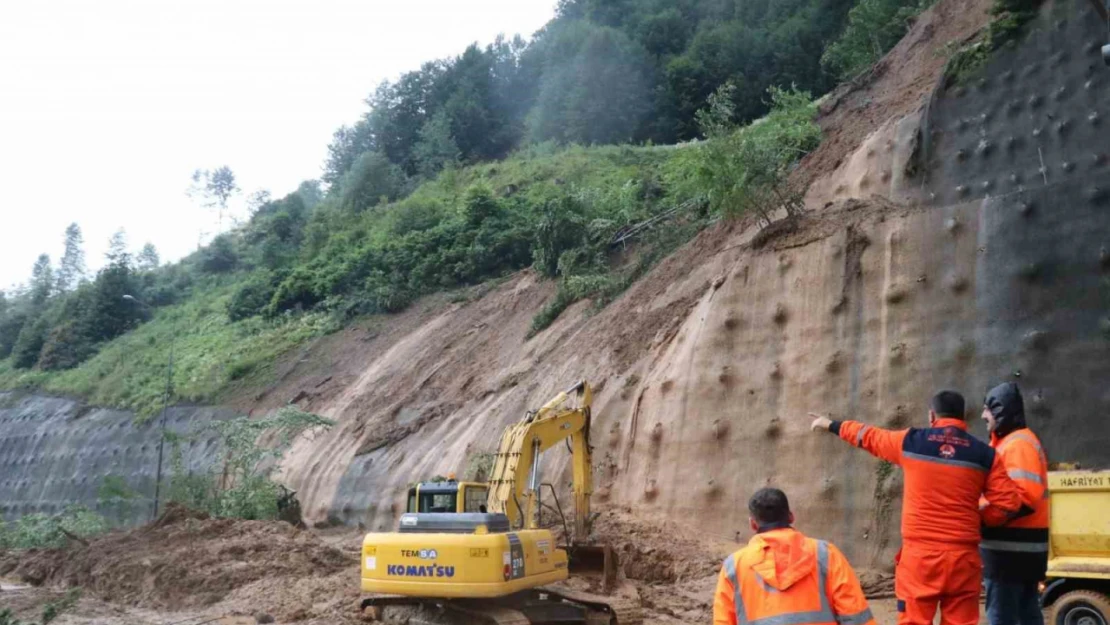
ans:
x=783 y=578
x=946 y=470
x=1018 y=550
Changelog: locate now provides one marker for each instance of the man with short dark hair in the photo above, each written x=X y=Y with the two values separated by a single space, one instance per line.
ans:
x=1015 y=555
x=781 y=576
x=946 y=471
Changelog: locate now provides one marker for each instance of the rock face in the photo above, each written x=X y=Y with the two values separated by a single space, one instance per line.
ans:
x=962 y=262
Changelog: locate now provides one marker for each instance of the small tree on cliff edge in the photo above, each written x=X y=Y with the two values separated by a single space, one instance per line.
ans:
x=214 y=187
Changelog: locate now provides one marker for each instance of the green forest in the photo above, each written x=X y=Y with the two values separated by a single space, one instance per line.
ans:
x=551 y=152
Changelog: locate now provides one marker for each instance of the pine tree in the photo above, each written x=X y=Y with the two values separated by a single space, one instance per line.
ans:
x=117 y=255
x=215 y=187
x=42 y=280
x=72 y=270
x=148 y=258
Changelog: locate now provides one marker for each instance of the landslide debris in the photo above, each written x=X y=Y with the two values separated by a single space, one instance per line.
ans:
x=185 y=560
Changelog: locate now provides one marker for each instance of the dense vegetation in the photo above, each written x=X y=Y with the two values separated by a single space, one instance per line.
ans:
x=460 y=172
x=601 y=72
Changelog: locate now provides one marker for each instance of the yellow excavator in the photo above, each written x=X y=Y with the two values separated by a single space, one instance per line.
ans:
x=495 y=565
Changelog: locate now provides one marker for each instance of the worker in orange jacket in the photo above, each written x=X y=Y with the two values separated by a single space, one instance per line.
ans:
x=784 y=578
x=946 y=470
x=1015 y=555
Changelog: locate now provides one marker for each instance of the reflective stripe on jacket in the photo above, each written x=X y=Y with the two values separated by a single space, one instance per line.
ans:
x=946 y=470
x=784 y=578
x=1018 y=550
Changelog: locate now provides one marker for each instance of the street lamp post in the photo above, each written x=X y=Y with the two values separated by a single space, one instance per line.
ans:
x=165 y=408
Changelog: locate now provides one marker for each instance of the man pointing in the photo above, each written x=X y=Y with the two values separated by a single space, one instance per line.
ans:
x=946 y=471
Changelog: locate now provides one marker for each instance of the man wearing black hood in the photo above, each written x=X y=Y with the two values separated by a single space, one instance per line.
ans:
x=1015 y=555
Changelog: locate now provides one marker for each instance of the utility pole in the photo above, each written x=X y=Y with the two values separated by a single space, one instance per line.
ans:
x=165 y=408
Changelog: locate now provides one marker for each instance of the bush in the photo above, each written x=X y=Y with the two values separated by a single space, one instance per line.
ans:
x=296 y=292
x=244 y=487
x=874 y=27
x=66 y=346
x=220 y=256
x=28 y=346
x=745 y=169
x=561 y=227
x=11 y=324
x=116 y=495
x=253 y=296
x=36 y=531
x=571 y=290
x=372 y=180
x=1010 y=18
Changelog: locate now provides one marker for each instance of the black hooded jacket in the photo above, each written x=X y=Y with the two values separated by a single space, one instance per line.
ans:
x=1005 y=403
x=1012 y=553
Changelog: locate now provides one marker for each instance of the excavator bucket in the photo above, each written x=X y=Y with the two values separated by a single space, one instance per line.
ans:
x=594 y=562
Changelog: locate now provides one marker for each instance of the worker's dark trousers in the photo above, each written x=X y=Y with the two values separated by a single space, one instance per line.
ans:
x=1013 y=603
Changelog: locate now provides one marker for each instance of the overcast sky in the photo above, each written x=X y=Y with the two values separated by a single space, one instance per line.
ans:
x=107 y=106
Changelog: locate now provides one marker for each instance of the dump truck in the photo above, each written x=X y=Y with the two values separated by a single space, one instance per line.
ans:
x=1077 y=588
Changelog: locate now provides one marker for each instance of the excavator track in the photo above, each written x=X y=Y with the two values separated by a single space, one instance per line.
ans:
x=621 y=611
x=491 y=614
x=541 y=605
x=473 y=610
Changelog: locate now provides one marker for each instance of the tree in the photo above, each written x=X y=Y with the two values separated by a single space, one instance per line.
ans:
x=747 y=169
x=874 y=26
x=28 y=346
x=148 y=258
x=110 y=315
x=71 y=270
x=347 y=143
x=69 y=340
x=117 y=254
x=257 y=200
x=215 y=187
x=371 y=180
x=42 y=281
x=11 y=324
x=597 y=89
x=220 y=256
x=310 y=193
x=436 y=148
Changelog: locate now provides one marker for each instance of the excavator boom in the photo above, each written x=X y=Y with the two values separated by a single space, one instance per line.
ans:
x=514 y=481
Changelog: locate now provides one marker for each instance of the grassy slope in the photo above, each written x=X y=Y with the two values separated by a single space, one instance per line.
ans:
x=211 y=352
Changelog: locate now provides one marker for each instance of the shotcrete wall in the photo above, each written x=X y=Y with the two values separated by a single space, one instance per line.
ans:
x=1028 y=137
x=55 y=452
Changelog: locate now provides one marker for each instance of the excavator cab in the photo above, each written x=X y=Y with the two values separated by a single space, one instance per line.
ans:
x=447 y=496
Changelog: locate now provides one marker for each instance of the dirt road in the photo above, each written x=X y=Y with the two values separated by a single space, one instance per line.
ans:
x=187 y=569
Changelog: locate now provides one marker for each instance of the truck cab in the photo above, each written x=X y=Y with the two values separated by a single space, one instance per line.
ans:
x=447 y=496
x=1077 y=588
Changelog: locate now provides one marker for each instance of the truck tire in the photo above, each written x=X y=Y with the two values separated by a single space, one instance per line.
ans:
x=1081 y=607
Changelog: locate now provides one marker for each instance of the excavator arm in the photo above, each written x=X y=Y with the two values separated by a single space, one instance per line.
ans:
x=514 y=482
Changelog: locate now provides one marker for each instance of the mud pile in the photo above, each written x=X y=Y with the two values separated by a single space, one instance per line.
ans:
x=185 y=560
